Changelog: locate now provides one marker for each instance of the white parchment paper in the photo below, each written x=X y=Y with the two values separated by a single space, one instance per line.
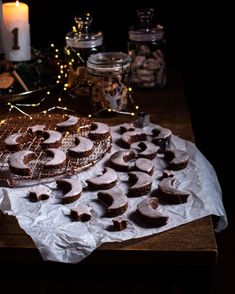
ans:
x=58 y=238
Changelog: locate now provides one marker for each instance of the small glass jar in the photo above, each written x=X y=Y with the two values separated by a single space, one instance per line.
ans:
x=109 y=76
x=81 y=42
x=146 y=49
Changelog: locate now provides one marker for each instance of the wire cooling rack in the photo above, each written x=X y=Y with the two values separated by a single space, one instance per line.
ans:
x=38 y=173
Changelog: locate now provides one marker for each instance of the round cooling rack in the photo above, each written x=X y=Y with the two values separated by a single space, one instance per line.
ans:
x=38 y=173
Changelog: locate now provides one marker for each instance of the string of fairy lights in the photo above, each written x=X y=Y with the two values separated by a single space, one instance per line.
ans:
x=63 y=66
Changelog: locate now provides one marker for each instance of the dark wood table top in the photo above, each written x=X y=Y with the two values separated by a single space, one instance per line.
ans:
x=190 y=244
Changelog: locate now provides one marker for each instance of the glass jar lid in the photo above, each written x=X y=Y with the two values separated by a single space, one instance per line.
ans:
x=113 y=62
x=82 y=36
x=146 y=30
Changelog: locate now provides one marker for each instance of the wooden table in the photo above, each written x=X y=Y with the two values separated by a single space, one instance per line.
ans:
x=190 y=244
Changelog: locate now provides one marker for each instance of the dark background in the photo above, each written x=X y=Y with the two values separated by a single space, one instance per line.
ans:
x=198 y=42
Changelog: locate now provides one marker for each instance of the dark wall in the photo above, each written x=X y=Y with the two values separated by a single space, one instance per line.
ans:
x=50 y=21
x=206 y=63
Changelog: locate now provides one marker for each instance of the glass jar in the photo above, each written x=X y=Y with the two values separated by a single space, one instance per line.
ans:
x=146 y=49
x=109 y=76
x=81 y=42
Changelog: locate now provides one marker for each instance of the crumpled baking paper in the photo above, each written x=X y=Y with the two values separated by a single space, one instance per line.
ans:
x=58 y=238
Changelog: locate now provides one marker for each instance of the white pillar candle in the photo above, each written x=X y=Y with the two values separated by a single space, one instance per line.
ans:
x=16 y=31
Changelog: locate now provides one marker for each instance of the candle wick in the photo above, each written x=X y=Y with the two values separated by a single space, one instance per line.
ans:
x=19 y=80
x=17 y=3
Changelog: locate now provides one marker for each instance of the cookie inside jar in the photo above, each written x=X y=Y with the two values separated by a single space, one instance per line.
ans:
x=146 y=49
x=108 y=74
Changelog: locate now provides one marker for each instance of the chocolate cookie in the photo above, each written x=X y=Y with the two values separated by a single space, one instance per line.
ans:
x=39 y=193
x=144 y=165
x=166 y=193
x=18 y=162
x=148 y=213
x=15 y=141
x=99 y=131
x=119 y=160
x=53 y=139
x=84 y=147
x=126 y=127
x=116 y=201
x=177 y=159
x=72 y=189
x=69 y=125
x=131 y=137
x=106 y=181
x=167 y=174
x=119 y=223
x=145 y=149
x=161 y=137
x=141 y=183
x=36 y=130
x=81 y=213
x=58 y=158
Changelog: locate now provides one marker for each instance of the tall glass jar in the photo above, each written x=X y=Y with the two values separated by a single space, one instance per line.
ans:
x=81 y=42
x=109 y=75
x=146 y=49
